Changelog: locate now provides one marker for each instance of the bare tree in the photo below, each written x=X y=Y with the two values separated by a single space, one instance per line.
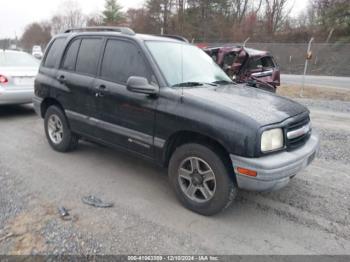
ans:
x=69 y=16
x=275 y=14
x=36 y=34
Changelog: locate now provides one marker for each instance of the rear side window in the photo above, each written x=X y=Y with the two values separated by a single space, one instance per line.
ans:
x=268 y=62
x=54 y=52
x=71 y=56
x=88 y=56
x=122 y=60
x=265 y=62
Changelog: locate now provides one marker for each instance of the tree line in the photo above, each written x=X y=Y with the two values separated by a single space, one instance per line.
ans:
x=208 y=20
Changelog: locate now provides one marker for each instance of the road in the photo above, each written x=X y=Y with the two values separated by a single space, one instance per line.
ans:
x=320 y=81
x=309 y=216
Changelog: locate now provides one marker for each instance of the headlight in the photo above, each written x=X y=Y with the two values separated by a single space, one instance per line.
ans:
x=272 y=140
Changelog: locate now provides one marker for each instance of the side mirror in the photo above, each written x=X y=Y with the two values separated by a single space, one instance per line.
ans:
x=141 y=85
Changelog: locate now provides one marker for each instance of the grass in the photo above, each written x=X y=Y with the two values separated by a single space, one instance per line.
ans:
x=313 y=92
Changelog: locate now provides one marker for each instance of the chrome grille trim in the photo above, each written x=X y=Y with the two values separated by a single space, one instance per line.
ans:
x=299 y=132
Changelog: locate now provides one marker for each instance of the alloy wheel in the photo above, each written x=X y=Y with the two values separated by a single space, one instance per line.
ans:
x=197 y=179
x=55 y=129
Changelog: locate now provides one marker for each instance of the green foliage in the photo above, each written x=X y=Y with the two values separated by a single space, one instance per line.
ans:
x=112 y=15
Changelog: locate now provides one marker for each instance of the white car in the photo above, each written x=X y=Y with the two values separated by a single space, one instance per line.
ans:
x=37 y=52
x=17 y=74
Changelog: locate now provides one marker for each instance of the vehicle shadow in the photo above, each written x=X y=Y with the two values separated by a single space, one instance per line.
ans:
x=16 y=110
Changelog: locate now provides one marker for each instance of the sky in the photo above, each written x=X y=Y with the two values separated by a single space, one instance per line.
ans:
x=16 y=14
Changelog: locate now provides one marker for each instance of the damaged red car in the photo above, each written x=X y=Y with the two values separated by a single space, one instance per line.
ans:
x=246 y=65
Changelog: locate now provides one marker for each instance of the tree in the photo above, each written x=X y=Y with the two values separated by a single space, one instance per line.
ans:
x=159 y=12
x=333 y=13
x=69 y=16
x=275 y=14
x=36 y=34
x=138 y=20
x=112 y=15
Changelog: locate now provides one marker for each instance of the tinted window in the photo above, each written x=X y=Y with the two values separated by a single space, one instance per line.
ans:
x=88 y=55
x=71 y=56
x=54 y=52
x=122 y=60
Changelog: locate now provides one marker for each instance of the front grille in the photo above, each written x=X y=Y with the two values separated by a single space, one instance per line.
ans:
x=300 y=140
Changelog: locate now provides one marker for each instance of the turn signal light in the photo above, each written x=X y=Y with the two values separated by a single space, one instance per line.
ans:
x=3 y=79
x=247 y=172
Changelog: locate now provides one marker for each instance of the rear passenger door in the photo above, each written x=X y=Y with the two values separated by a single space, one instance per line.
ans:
x=127 y=119
x=77 y=73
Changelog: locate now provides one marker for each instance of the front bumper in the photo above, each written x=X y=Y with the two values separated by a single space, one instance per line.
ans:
x=275 y=171
x=12 y=97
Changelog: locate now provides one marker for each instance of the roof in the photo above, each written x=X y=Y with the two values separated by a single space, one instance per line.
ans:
x=121 y=31
x=255 y=52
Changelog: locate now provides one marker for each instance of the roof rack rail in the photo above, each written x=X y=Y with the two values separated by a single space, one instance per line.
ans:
x=176 y=37
x=123 y=30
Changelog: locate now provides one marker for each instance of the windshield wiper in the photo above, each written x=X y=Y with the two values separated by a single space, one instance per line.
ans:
x=223 y=82
x=190 y=84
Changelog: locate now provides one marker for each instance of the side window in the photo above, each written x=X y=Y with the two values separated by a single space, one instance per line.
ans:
x=268 y=62
x=88 y=56
x=54 y=52
x=122 y=60
x=71 y=56
x=255 y=64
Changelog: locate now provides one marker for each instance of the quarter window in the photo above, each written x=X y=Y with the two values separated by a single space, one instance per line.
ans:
x=122 y=60
x=71 y=56
x=54 y=52
x=88 y=56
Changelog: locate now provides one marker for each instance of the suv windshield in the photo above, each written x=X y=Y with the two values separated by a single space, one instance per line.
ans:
x=182 y=63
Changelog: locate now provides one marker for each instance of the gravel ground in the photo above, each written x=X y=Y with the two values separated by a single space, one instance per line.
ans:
x=11 y=200
x=146 y=218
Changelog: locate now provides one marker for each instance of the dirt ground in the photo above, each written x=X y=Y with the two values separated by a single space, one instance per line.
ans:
x=314 y=92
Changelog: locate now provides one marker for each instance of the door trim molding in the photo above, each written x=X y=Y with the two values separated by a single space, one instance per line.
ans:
x=132 y=135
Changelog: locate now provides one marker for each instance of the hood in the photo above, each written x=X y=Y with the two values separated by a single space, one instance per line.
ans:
x=263 y=107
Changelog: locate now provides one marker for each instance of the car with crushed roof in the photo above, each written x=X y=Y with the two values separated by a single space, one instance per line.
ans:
x=247 y=65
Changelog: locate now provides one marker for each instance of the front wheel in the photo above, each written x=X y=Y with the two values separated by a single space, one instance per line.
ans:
x=57 y=131
x=201 y=179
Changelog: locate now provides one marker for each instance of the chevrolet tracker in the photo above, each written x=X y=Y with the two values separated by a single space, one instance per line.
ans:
x=167 y=101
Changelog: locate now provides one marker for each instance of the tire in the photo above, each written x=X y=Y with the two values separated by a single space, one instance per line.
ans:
x=62 y=139
x=208 y=199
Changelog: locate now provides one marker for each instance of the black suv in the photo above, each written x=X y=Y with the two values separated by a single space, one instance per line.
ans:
x=167 y=101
